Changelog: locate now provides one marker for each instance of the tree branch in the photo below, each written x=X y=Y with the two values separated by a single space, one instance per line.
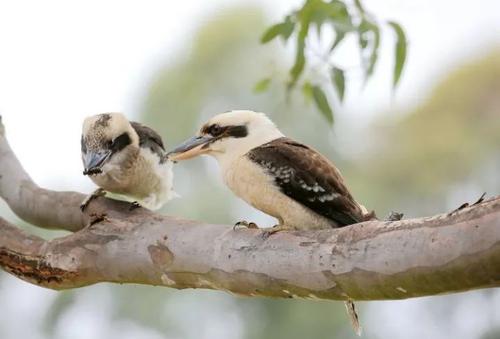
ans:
x=368 y=261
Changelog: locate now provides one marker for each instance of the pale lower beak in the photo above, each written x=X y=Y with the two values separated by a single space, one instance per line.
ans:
x=190 y=148
x=93 y=161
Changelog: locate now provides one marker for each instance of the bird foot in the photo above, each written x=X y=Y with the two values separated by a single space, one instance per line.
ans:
x=134 y=205
x=94 y=195
x=394 y=216
x=266 y=233
x=95 y=219
x=244 y=224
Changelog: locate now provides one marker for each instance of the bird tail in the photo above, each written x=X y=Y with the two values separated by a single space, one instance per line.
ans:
x=353 y=316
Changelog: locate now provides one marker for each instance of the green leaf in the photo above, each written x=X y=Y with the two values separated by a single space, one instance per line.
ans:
x=262 y=85
x=271 y=33
x=315 y=11
x=360 y=7
x=339 y=17
x=298 y=66
x=369 y=42
x=284 y=29
x=374 y=53
x=307 y=91
x=321 y=102
x=300 y=58
x=288 y=27
x=400 y=52
x=338 y=79
x=339 y=36
x=363 y=34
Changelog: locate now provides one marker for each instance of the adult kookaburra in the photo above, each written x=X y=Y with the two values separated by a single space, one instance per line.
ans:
x=273 y=173
x=126 y=158
x=277 y=175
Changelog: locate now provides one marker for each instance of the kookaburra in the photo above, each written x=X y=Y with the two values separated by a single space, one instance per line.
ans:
x=126 y=158
x=277 y=175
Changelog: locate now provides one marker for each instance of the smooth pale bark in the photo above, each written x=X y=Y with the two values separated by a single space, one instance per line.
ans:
x=373 y=260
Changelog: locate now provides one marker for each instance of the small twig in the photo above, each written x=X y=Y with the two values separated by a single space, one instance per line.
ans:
x=466 y=204
x=480 y=200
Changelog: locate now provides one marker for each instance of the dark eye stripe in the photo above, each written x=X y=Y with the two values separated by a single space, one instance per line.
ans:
x=236 y=131
x=120 y=142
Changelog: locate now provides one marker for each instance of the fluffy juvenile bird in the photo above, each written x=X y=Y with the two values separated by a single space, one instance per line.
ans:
x=273 y=173
x=126 y=158
x=277 y=175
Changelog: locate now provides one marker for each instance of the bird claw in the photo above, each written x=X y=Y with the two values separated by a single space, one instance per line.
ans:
x=266 y=233
x=480 y=200
x=96 y=218
x=244 y=224
x=394 y=216
x=134 y=205
x=94 y=195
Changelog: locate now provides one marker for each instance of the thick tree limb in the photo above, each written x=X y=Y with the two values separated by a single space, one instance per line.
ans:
x=367 y=261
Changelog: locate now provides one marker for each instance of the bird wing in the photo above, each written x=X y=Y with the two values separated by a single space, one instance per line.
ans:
x=149 y=138
x=147 y=135
x=309 y=178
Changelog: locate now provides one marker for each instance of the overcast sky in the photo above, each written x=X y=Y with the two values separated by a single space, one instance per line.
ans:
x=63 y=60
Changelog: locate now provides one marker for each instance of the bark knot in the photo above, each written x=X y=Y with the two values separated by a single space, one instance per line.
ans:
x=161 y=256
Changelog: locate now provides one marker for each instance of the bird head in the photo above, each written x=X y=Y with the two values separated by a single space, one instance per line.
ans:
x=105 y=137
x=228 y=135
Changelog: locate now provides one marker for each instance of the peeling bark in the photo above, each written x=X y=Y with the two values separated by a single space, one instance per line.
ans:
x=374 y=260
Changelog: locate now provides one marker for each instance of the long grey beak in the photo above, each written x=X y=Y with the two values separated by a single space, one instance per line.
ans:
x=93 y=161
x=190 y=148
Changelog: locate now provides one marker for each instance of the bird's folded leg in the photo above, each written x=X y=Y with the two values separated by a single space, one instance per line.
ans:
x=94 y=195
x=244 y=224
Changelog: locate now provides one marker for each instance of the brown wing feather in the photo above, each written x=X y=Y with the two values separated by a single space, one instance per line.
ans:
x=309 y=178
x=148 y=138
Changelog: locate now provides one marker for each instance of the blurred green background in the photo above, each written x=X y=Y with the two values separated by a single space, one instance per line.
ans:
x=421 y=158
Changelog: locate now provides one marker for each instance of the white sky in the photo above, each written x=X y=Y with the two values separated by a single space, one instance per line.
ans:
x=63 y=60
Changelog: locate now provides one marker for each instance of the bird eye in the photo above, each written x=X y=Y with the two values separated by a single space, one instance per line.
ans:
x=215 y=130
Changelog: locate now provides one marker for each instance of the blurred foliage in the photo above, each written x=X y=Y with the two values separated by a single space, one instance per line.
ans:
x=298 y=319
x=61 y=304
x=145 y=305
x=492 y=334
x=344 y=19
x=447 y=141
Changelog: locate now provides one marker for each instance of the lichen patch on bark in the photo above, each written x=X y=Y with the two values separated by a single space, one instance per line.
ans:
x=33 y=269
